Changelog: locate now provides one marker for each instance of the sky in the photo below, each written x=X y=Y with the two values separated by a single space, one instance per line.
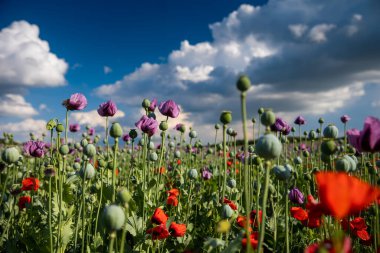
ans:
x=304 y=57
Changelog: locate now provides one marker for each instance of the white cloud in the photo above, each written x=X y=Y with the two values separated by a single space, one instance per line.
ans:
x=15 y=105
x=197 y=74
x=318 y=32
x=22 y=128
x=26 y=60
x=42 y=107
x=107 y=70
x=297 y=29
x=92 y=118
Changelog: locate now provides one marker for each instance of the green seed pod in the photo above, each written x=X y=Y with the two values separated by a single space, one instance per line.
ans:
x=10 y=155
x=116 y=131
x=297 y=160
x=226 y=117
x=124 y=196
x=305 y=153
x=260 y=111
x=217 y=126
x=227 y=212
x=243 y=83
x=210 y=151
x=60 y=128
x=231 y=183
x=193 y=174
x=90 y=150
x=253 y=120
x=133 y=134
x=145 y=103
x=353 y=162
x=312 y=135
x=76 y=166
x=342 y=164
x=193 y=134
x=268 y=118
x=328 y=147
x=90 y=171
x=268 y=147
x=113 y=217
x=153 y=156
x=51 y=124
x=177 y=154
x=282 y=172
x=77 y=145
x=64 y=149
x=321 y=121
x=84 y=142
x=182 y=128
x=331 y=132
x=163 y=126
x=151 y=145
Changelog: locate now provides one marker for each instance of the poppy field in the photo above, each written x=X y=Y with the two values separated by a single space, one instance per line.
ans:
x=288 y=188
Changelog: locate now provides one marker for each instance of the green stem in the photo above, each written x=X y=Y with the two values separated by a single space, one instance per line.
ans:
x=84 y=205
x=287 y=218
x=50 y=227
x=114 y=170
x=124 y=232
x=264 y=207
x=112 y=240
x=67 y=125
x=225 y=163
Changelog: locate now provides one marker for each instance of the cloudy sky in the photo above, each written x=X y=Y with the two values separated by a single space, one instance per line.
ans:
x=305 y=57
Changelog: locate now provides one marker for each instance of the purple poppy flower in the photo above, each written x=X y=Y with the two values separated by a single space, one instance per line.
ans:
x=34 y=148
x=91 y=131
x=126 y=138
x=77 y=101
x=77 y=160
x=300 y=120
x=353 y=136
x=178 y=126
x=169 y=108
x=287 y=130
x=147 y=125
x=345 y=118
x=296 y=196
x=107 y=109
x=153 y=105
x=206 y=174
x=74 y=128
x=368 y=139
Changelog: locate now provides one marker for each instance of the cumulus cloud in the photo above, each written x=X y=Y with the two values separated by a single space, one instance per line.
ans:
x=22 y=128
x=16 y=106
x=26 y=60
x=301 y=55
x=92 y=118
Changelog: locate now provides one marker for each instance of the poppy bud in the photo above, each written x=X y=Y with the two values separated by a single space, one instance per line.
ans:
x=251 y=149
x=51 y=124
x=268 y=147
x=297 y=160
x=331 y=132
x=76 y=166
x=84 y=142
x=260 y=110
x=64 y=149
x=193 y=174
x=312 y=135
x=217 y=126
x=10 y=155
x=90 y=150
x=328 y=147
x=163 y=126
x=116 y=131
x=60 y=128
x=231 y=183
x=253 y=120
x=282 y=172
x=342 y=165
x=226 y=117
x=49 y=172
x=193 y=134
x=243 y=84
x=177 y=154
x=89 y=172
x=268 y=118
x=145 y=103
x=132 y=133
x=102 y=163
x=153 y=156
x=113 y=217
x=151 y=145
x=227 y=212
x=305 y=153
x=321 y=121
x=124 y=196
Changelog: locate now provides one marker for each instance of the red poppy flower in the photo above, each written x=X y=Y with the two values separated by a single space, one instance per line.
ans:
x=342 y=194
x=23 y=201
x=299 y=213
x=230 y=203
x=179 y=162
x=240 y=220
x=229 y=163
x=159 y=232
x=159 y=217
x=328 y=246
x=30 y=183
x=117 y=172
x=358 y=224
x=254 y=238
x=174 y=192
x=172 y=200
x=363 y=235
x=162 y=170
x=253 y=217
x=177 y=230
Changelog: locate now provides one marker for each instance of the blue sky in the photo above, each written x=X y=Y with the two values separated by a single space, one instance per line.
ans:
x=304 y=57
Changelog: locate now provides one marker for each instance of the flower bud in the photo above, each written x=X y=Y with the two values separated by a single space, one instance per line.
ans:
x=124 y=196
x=282 y=172
x=217 y=126
x=89 y=172
x=153 y=156
x=268 y=147
x=177 y=154
x=113 y=217
x=76 y=166
x=60 y=128
x=253 y=120
x=297 y=160
x=328 y=147
x=231 y=183
x=51 y=124
x=226 y=117
x=89 y=150
x=84 y=142
x=331 y=132
x=193 y=174
x=64 y=149
x=243 y=84
x=10 y=155
x=260 y=111
x=268 y=118
x=342 y=165
x=145 y=103
x=321 y=121
x=116 y=131
x=163 y=126
x=193 y=134
x=312 y=135
x=227 y=212
x=132 y=133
